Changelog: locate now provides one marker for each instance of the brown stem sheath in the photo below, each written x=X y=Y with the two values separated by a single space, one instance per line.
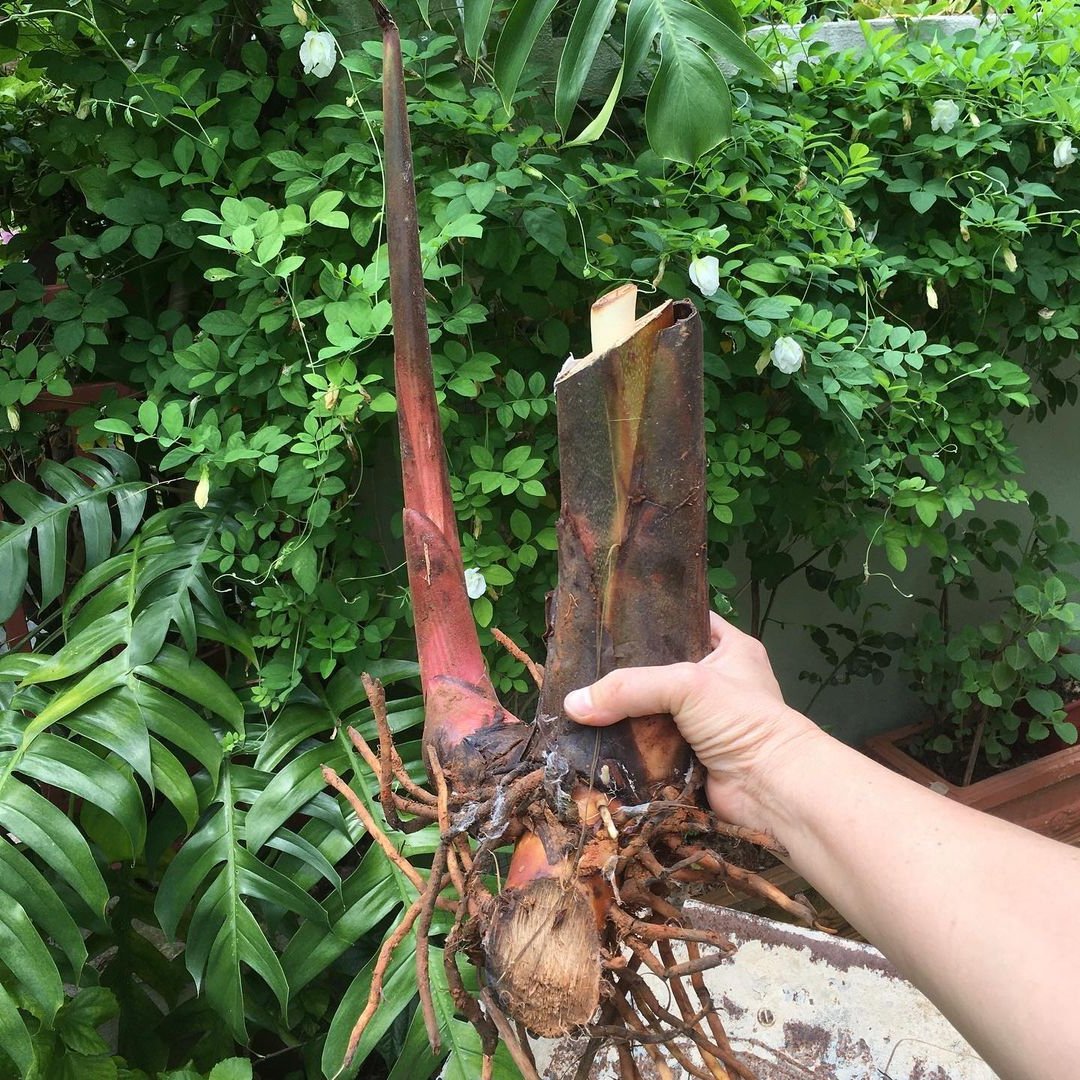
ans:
x=632 y=587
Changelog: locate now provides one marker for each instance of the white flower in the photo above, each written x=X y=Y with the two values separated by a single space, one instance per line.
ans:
x=1064 y=153
x=931 y=295
x=1009 y=256
x=705 y=273
x=786 y=74
x=318 y=53
x=475 y=583
x=944 y=114
x=787 y=355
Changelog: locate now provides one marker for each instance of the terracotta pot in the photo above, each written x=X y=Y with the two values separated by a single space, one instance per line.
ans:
x=82 y=394
x=1043 y=795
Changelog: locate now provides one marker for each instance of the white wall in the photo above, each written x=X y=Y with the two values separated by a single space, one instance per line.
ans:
x=1051 y=455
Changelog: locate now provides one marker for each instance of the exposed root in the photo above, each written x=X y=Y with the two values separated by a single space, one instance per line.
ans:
x=423 y=927
x=386 y=954
x=607 y=914
x=518 y=653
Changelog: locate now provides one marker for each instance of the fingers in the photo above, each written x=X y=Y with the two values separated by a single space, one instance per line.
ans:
x=717 y=628
x=640 y=691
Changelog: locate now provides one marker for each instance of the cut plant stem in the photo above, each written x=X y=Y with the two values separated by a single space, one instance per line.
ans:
x=632 y=563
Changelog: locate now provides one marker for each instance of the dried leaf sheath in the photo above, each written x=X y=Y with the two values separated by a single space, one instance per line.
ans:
x=458 y=695
x=632 y=562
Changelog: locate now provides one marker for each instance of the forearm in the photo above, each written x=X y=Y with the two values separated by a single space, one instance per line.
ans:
x=952 y=896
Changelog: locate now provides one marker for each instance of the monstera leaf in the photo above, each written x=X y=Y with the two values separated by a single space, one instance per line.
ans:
x=689 y=107
x=85 y=488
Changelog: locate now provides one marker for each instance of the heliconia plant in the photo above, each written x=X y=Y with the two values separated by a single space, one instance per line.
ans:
x=604 y=822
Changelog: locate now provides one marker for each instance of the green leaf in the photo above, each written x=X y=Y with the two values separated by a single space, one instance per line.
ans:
x=1044 y=702
x=113 y=237
x=292 y=787
x=14 y=1037
x=688 y=110
x=231 y=1069
x=323 y=205
x=111 y=475
x=304 y=566
x=1065 y=731
x=224 y=323
x=25 y=955
x=66 y=765
x=69 y=336
x=192 y=678
x=523 y=25
x=22 y=883
x=368 y=895
x=546 y=226
x=591 y=20
x=719 y=31
x=477 y=15
x=1043 y=644
x=146 y=240
x=399 y=986
x=81 y=1017
x=922 y=201
x=53 y=838
x=148 y=417
x=288 y=265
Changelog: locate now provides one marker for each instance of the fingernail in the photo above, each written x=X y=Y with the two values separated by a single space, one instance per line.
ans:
x=579 y=702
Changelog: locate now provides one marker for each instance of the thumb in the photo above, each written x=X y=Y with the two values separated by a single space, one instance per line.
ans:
x=638 y=691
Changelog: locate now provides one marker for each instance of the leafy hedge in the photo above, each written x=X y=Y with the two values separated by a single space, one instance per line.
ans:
x=211 y=546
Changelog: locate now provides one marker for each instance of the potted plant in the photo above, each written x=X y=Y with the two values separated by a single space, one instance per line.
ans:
x=1003 y=694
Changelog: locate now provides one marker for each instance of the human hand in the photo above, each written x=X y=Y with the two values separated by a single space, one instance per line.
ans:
x=729 y=709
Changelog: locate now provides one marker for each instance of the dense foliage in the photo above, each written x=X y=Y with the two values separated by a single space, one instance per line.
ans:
x=201 y=512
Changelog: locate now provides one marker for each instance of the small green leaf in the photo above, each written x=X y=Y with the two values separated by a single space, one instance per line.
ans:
x=922 y=200
x=546 y=226
x=231 y=1069
x=323 y=205
x=1043 y=644
x=148 y=417
x=147 y=239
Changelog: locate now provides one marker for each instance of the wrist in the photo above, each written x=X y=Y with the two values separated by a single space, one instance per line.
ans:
x=765 y=794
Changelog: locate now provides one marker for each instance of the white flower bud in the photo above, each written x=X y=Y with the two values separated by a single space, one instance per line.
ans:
x=202 y=490
x=1064 y=153
x=705 y=273
x=1010 y=259
x=475 y=583
x=931 y=295
x=787 y=355
x=318 y=53
x=13 y=418
x=944 y=114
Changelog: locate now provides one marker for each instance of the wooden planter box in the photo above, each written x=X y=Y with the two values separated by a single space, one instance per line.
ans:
x=1043 y=795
